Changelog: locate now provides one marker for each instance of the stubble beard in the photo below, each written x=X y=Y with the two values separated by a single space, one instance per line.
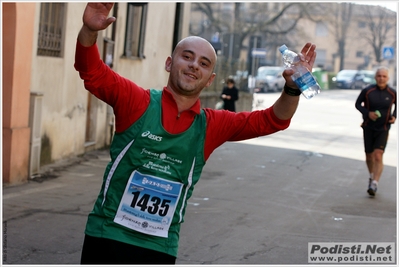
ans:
x=188 y=88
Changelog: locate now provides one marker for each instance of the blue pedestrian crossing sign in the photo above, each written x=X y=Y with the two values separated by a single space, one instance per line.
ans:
x=388 y=52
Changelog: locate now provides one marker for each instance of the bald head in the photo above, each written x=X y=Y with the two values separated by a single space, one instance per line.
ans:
x=196 y=41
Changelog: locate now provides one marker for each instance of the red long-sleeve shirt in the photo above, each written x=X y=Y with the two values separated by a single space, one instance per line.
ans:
x=129 y=101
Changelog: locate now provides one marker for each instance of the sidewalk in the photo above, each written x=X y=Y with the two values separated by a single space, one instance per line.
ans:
x=44 y=219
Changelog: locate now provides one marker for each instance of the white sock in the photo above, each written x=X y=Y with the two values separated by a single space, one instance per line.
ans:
x=375 y=182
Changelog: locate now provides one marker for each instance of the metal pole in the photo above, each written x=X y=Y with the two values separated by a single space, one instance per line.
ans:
x=253 y=58
x=231 y=46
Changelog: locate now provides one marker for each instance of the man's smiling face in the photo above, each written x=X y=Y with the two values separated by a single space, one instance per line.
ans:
x=191 y=66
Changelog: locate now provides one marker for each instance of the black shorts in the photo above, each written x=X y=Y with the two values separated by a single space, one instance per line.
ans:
x=374 y=139
x=106 y=251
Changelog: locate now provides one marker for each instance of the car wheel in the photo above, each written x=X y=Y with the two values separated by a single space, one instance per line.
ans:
x=353 y=86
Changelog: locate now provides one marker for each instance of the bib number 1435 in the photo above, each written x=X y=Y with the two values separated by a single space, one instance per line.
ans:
x=148 y=204
x=153 y=205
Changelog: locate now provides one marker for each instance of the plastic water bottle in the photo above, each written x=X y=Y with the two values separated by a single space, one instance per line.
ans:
x=303 y=78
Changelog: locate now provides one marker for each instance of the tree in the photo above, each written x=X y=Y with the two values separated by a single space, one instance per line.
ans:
x=381 y=25
x=340 y=26
x=246 y=19
x=272 y=21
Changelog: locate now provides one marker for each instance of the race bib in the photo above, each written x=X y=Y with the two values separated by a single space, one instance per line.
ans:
x=148 y=204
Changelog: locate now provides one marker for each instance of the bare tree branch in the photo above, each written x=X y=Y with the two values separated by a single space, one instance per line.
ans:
x=380 y=25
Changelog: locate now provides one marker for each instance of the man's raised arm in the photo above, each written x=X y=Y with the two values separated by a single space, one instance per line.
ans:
x=95 y=18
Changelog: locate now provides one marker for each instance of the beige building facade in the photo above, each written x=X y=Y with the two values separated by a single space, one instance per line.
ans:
x=47 y=114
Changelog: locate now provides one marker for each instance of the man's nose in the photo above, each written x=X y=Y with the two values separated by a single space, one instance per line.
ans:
x=194 y=64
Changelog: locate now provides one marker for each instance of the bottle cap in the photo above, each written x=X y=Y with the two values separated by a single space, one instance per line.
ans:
x=283 y=48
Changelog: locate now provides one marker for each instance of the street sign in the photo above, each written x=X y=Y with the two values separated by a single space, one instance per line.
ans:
x=388 y=52
x=258 y=52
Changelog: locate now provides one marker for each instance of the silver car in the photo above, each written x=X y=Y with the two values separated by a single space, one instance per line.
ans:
x=269 y=79
x=354 y=79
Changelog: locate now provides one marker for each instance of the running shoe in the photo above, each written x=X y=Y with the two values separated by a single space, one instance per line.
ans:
x=372 y=189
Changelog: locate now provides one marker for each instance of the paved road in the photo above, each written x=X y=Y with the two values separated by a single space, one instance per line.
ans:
x=262 y=200
x=328 y=124
x=258 y=202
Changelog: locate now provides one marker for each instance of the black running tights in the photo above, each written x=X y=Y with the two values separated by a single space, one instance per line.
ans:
x=106 y=251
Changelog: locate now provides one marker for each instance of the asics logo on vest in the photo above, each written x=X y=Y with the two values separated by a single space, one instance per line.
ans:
x=152 y=136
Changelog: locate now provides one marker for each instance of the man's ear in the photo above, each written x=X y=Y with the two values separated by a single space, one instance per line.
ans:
x=210 y=80
x=168 y=64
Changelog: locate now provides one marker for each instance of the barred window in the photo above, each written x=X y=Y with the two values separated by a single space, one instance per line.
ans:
x=135 y=30
x=51 y=29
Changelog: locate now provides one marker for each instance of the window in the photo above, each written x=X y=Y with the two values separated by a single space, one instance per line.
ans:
x=321 y=58
x=228 y=7
x=321 y=29
x=359 y=53
x=135 y=30
x=51 y=29
x=276 y=6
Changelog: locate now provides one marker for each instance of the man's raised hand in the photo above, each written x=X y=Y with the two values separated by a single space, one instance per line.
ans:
x=95 y=16
x=308 y=56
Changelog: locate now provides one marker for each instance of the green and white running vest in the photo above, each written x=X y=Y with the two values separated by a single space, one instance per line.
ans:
x=146 y=185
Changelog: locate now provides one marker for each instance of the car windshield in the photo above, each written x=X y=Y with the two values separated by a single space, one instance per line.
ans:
x=369 y=74
x=268 y=72
x=346 y=74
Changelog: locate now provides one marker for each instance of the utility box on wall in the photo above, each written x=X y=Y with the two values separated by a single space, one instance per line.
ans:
x=35 y=123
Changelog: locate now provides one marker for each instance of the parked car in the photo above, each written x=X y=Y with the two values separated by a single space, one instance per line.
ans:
x=368 y=77
x=354 y=79
x=269 y=79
